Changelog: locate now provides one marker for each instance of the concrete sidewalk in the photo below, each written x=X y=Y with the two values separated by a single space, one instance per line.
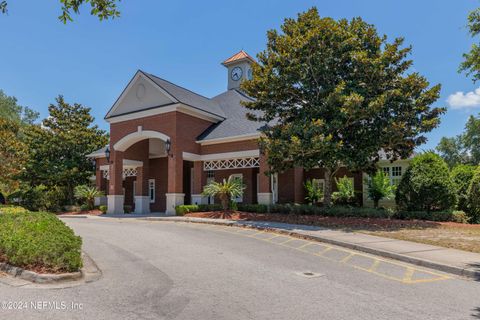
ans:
x=453 y=261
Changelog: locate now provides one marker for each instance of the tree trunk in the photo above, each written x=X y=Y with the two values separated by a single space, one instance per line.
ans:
x=224 y=199
x=375 y=203
x=327 y=196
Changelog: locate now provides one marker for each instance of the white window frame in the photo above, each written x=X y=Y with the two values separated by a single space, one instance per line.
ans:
x=389 y=170
x=238 y=176
x=151 y=190
x=320 y=181
x=134 y=188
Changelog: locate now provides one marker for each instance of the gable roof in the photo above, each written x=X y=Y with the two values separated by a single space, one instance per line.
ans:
x=187 y=97
x=236 y=123
x=241 y=55
x=175 y=93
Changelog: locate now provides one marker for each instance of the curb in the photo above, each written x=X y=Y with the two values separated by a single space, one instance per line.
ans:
x=459 y=271
x=35 y=277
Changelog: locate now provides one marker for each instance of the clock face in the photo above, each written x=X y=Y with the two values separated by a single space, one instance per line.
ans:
x=236 y=73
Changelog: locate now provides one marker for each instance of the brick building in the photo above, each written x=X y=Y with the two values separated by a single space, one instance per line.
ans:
x=167 y=142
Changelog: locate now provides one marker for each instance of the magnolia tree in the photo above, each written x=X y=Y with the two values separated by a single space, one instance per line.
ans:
x=333 y=93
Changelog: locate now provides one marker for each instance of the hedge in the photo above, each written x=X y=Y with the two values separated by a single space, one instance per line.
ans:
x=339 y=212
x=38 y=240
x=188 y=208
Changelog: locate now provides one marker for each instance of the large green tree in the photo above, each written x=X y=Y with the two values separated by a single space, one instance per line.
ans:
x=103 y=9
x=59 y=147
x=13 y=155
x=465 y=147
x=471 y=62
x=11 y=110
x=334 y=93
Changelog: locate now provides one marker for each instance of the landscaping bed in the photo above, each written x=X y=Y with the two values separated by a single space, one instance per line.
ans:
x=447 y=234
x=38 y=241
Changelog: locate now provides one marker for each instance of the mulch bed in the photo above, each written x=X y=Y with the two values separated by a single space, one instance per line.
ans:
x=95 y=212
x=349 y=223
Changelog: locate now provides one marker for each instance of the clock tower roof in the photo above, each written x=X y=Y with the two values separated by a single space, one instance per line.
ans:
x=237 y=57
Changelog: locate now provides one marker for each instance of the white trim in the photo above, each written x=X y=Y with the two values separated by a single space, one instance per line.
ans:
x=220 y=156
x=166 y=109
x=96 y=155
x=139 y=74
x=239 y=163
x=134 y=137
x=241 y=137
x=126 y=164
x=238 y=176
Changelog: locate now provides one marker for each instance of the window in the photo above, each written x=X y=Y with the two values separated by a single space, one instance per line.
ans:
x=320 y=184
x=238 y=176
x=151 y=190
x=210 y=174
x=394 y=173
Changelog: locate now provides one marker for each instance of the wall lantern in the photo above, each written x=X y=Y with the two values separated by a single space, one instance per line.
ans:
x=107 y=154
x=168 y=146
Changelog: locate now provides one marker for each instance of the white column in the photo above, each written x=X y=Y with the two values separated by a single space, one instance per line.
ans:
x=115 y=204
x=142 y=204
x=173 y=200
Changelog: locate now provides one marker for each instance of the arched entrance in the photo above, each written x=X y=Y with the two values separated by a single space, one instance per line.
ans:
x=140 y=169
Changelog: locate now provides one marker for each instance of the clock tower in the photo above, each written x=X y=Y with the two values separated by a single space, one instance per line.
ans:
x=239 y=68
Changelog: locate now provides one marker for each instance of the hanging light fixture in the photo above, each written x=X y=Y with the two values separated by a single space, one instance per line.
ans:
x=168 y=146
x=107 y=154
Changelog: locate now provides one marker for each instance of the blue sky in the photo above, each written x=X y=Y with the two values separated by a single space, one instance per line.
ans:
x=90 y=62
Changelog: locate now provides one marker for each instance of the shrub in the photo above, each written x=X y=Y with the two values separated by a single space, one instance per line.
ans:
x=127 y=209
x=313 y=192
x=473 y=198
x=12 y=209
x=183 y=209
x=257 y=208
x=209 y=207
x=39 y=239
x=88 y=194
x=426 y=185
x=445 y=215
x=346 y=192
x=103 y=209
x=40 y=198
x=459 y=216
x=379 y=187
x=461 y=176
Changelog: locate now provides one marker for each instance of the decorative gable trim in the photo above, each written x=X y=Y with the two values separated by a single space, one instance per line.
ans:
x=165 y=109
x=242 y=137
x=139 y=74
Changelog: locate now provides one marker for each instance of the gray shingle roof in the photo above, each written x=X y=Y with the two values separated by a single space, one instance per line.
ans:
x=236 y=122
x=188 y=97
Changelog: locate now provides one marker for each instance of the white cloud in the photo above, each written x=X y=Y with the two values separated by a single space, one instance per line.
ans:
x=460 y=100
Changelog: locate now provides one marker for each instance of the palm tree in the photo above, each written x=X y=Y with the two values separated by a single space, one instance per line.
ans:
x=88 y=194
x=225 y=191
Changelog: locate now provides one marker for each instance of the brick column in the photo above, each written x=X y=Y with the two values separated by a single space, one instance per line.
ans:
x=298 y=187
x=197 y=197
x=264 y=195
x=142 y=198
x=174 y=195
x=115 y=191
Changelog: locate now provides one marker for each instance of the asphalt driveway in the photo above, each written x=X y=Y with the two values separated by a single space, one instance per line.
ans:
x=167 y=270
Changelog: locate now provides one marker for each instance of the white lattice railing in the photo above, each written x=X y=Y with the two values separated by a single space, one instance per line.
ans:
x=127 y=172
x=241 y=163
